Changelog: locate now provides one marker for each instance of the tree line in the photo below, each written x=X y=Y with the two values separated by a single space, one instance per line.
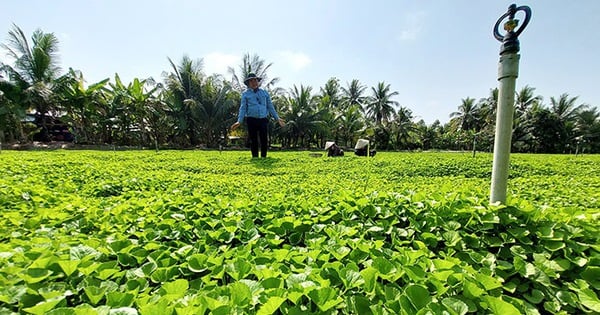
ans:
x=188 y=108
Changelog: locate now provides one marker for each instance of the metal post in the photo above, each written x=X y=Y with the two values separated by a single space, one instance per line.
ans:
x=508 y=71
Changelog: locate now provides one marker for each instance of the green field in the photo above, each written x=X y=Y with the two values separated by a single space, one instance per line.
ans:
x=203 y=232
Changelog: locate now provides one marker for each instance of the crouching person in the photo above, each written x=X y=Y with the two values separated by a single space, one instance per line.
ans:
x=362 y=148
x=333 y=149
x=363 y=152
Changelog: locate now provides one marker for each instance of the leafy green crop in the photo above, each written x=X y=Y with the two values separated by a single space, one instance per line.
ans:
x=203 y=232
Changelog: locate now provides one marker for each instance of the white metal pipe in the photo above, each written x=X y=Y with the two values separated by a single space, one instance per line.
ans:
x=508 y=71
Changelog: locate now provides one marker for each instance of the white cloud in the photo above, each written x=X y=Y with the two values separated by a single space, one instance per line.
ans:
x=412 y=26
x=295 y=60
x=217 y=62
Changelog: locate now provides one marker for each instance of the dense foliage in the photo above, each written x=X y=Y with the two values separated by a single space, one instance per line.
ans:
x=203 y=232
x=190 y=108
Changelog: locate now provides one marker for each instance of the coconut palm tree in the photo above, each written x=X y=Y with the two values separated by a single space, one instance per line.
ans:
x=251 y=64
x=302 y=116
x=487 y=109
x=587 y=128
x=524 y=99
x=547 y=131
x=184 y=84
x=36 y=70
x=353 y=95
x=564 y=107
x=381 y=106
x=430 y=137
x=348 y=124
x=467 y=116
x=403 y=127
x=331 y=92
x=216 y=111
x=12 y=111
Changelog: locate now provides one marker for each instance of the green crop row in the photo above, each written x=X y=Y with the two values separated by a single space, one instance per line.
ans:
x=203 y=232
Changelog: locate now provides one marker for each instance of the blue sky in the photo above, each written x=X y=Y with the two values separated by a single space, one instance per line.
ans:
x=433 y=53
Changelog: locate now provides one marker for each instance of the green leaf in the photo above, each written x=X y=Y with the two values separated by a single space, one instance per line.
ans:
x=360 y=305
x=120 y=245
x=451 y=238
x=197 y=263
x=177 y=288
x=224 y=236
x=240 y=294
x=129 y=311
x=418 y=295
x=383 y=266
x=68 y=266
x=566 y=297
x=222 y=310
x=535 y=297
x=159 y=307
x=107 y=270
x=66 y=311
x=148 y=268
x=271 y=305
x=43 y=307
x=471 y=289
x=500 y=307
x=86 y=309
x=370 y=276
x=325 y=298
x=280 y=254
x=488 y=282
x=407 y=305
x=190 y=309
x=163 y=274
x=391 y=292
x=441 y=264
x=238 y=269
x=35 y=275
x=518 y=232
x=271 y=283
x=592 y=275
x=12 y=294
x=126 y=260
x=213 y=304
x=295 y=238
x=53 y=290
x=351 y=278
x=415 y=273
x=455 y=306
x=136 y=285
x=339 y=252
x=553 y=245
x=94 y=294
x=588 y=298
x=80 y=252
x=88 y=267
x=119 y=299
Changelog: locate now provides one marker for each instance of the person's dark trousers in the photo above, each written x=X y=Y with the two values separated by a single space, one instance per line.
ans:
x=257 y=129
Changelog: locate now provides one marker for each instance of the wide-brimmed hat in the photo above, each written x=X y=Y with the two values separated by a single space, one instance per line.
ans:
x=361 y=144
x=329 y=144
x=251 y=76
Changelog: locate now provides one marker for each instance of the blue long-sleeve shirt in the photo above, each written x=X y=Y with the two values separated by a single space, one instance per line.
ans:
x=256 y=104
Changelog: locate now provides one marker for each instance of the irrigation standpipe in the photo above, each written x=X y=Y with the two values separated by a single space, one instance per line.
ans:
x=508 y=71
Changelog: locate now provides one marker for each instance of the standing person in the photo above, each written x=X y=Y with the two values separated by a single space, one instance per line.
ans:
x=256 y=105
